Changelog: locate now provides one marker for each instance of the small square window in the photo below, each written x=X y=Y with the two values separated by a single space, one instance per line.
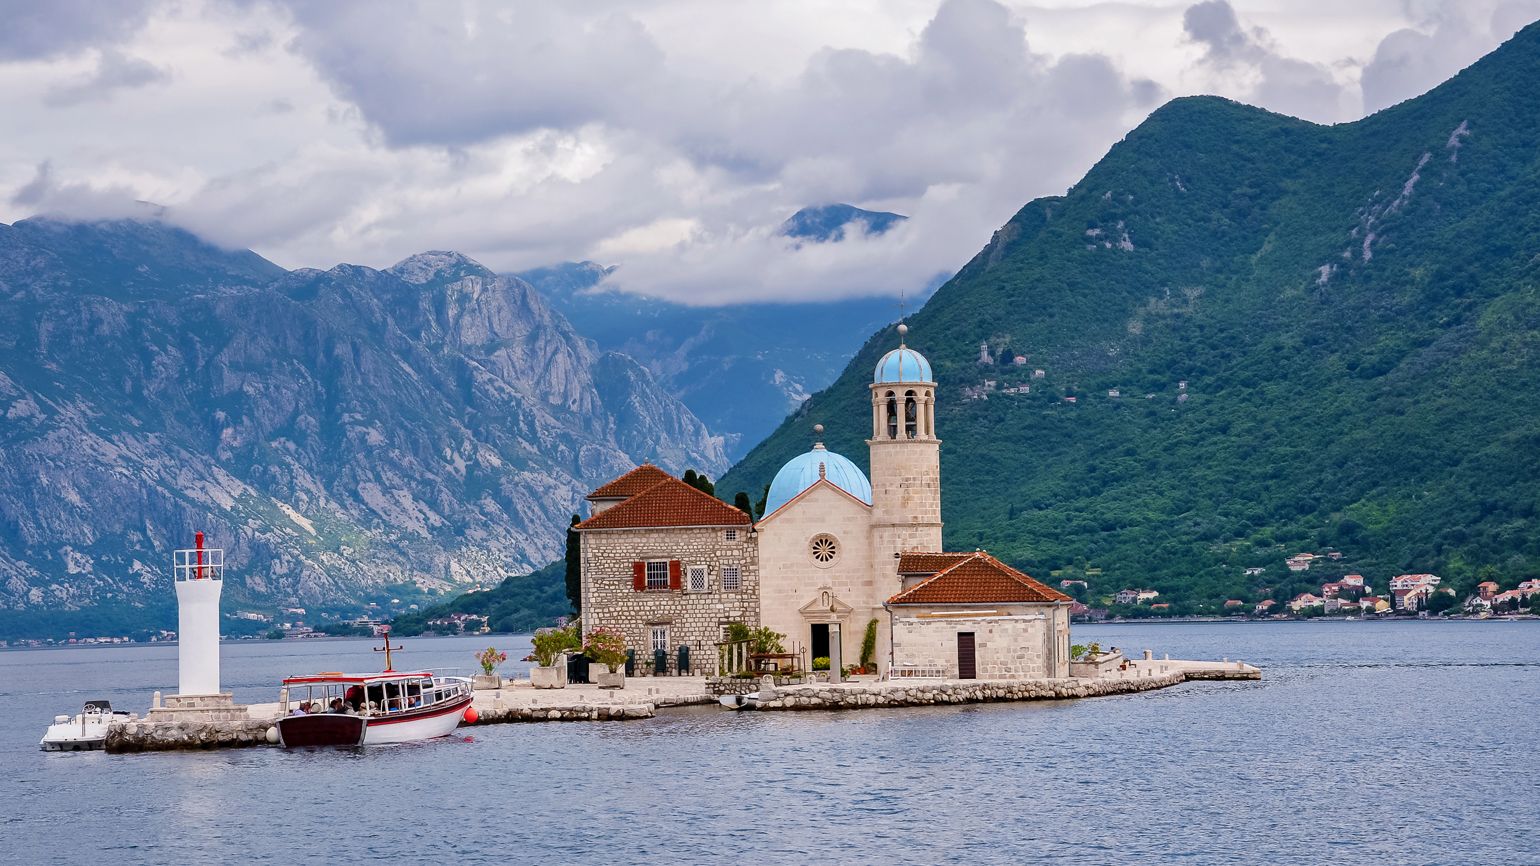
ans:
x=697 y=581
x=732 y=578
x=657 y=575
x=732 y=535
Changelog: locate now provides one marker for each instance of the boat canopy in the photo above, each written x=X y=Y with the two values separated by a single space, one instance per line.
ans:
x=338 y=677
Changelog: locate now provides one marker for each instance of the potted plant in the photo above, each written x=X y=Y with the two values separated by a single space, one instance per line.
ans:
x=868 y=649
x=489 y=658
x=551 y=648
x=607 y=647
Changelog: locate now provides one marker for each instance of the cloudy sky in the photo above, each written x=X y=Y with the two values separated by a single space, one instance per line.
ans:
x=669 y=137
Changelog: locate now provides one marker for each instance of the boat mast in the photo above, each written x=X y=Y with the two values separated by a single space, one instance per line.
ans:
x=385 y=632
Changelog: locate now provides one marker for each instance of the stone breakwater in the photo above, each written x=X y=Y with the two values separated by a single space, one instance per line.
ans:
x=578 y=713
x=147 y=736
x=861 y=696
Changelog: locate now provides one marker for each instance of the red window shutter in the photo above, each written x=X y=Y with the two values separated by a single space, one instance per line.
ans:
x=675 y=574
x=639 y=576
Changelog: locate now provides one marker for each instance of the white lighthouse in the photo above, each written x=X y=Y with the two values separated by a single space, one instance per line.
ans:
x=199 y=577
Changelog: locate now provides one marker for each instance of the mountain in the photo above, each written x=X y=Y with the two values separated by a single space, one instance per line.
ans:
x=826 y=223
x=344 y=434
x=739 y=368
x=1281 y=337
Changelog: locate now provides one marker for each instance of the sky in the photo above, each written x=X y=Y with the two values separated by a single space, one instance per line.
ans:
x=669 y=138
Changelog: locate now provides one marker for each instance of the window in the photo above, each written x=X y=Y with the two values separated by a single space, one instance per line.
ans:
x=697 y=581
x=824 y=549
x=657 y=575
x=660 y=638
x=892 y=416
x=732 y=578
x=911 y=416
x=732 y=535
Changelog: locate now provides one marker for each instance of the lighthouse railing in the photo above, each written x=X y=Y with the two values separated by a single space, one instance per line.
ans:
x=198 y=564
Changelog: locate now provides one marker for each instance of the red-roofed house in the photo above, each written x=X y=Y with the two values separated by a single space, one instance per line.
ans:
x=978 y=618
x=667 y=565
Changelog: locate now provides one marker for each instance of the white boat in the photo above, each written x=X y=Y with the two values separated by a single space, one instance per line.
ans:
x=337 y=709
x=86 y=731
x=740 y=702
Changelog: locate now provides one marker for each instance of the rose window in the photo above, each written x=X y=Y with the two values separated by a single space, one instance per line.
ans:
x=825 y=549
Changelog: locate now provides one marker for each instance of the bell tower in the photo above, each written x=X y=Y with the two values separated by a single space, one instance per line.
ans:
x=905 y=459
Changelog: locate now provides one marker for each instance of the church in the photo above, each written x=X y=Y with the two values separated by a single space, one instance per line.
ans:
x=670 y=566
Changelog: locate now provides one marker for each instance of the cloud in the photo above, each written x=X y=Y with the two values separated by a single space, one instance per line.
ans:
x=1253 y=69
x=114 y=71
x=33 y=30
x=460 y=73
x=670 y=138
x=1414 y=60
x=44 y=194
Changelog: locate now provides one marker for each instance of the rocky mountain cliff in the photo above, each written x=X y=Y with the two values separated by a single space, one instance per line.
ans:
x=1278 y=337
x=339 y=432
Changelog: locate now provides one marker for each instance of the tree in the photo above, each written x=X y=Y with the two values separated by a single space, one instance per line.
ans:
x=742 y=503
x=574 y=566
x=699 y=481
x=1440 y=602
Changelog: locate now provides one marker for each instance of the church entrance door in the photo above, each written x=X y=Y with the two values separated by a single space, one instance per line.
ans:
x=967 y=665
x=820 y=642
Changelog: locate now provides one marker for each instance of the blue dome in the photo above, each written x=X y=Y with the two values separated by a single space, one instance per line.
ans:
x=902 y=365
x=801 y=472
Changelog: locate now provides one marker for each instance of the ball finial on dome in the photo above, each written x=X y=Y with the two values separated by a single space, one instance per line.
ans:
x=818 y=428
x=902 y=330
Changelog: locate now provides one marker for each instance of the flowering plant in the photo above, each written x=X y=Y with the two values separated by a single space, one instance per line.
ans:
x=490 y=658
x=607 y=647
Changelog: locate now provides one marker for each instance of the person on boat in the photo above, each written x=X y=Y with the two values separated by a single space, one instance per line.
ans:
x=338 y=706
x=355 y=697
x=303 y=709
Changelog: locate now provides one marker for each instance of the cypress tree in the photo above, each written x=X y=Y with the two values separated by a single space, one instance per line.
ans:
x=742 y=503
x=574 y=566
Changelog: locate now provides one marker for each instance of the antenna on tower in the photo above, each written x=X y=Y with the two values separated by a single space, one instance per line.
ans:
x=903 y=313
x=385 y=633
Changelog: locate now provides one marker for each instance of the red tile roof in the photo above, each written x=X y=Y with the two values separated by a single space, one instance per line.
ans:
x=977 y=578
x=669 y=502
x=631 y=483
x=928 y=563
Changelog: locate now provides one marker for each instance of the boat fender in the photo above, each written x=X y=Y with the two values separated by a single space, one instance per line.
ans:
x=272 y=735
x=471 y=716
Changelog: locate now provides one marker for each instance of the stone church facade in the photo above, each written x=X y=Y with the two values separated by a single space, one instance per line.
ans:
x=833 y=553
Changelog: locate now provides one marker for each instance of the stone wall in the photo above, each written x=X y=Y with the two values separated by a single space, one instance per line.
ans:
x=694 y=619
x=1020 y=642
x=149 y=736
x=849 y=697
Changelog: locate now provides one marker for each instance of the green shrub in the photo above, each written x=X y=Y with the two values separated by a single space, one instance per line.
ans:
x=821 y=663
x=550 y=643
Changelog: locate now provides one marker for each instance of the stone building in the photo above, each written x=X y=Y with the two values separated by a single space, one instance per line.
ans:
x=834 y=554
x=667 y=565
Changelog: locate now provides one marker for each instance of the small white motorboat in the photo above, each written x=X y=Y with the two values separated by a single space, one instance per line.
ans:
x=86 y=731
x=740 y=702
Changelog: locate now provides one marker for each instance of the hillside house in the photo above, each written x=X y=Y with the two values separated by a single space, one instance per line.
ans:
x=1069 y=582
x=1136 y=596
x=1413 y=581
x=1486 y=589
x=1264 y=607
x=1254 y=570
x=1300 y=561
x=1374 y=604
x=1305 y=600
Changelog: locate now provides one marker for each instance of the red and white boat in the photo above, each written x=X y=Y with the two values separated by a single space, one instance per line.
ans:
x=338 y=709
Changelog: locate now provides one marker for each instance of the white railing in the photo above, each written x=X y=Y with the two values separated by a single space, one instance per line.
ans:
x=916 y=672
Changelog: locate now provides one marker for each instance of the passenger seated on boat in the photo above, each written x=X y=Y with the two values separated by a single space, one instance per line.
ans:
x=416 y=701
x=355 y=697
x=302 y=710
x=338 y=706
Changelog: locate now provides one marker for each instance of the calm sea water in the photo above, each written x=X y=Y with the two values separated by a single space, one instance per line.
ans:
x=1365 y=743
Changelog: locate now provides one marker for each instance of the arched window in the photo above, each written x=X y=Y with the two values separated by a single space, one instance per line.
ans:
x=892 y=416
x=911 y=416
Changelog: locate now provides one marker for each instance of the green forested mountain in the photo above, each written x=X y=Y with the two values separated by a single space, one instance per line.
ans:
x=1355 y=311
